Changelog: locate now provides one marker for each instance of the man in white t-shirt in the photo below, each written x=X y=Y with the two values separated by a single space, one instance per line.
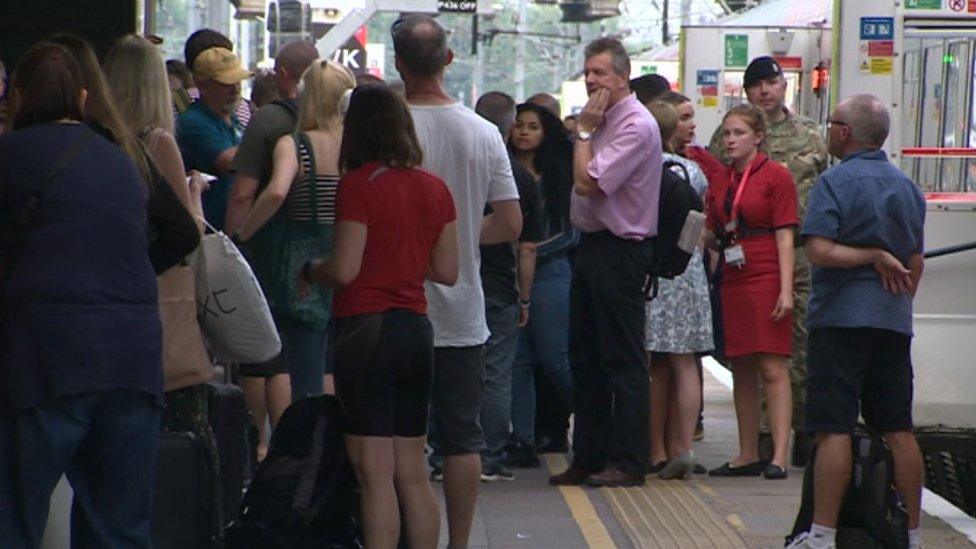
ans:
x=468 y=153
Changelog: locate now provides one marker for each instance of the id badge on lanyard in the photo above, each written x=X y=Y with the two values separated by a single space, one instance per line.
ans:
x=735 y=255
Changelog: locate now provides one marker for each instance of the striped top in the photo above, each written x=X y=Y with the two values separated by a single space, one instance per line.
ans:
x=300 y=203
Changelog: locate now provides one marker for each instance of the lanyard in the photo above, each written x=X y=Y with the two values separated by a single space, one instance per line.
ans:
x=734 y=215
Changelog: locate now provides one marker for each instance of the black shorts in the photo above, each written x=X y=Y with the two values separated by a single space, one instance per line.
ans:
x=384 y=364
x=459 y=384
x=851 y=366
x=275 y=366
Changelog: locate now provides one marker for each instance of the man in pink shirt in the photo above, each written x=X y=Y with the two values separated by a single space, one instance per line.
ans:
x=616 y=182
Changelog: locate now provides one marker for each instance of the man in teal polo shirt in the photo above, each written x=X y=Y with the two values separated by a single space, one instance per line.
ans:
x=208 y=131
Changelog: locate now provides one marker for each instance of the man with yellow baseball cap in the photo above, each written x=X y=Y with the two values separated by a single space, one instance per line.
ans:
x=208 y=132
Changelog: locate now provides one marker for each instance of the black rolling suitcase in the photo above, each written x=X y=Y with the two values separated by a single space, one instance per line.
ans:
x=184 y=514
x=231 y=425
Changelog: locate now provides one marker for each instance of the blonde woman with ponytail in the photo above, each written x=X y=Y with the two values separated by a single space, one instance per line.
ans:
x=298 y=206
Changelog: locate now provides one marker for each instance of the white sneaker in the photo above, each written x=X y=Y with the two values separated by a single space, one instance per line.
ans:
x=805 y=541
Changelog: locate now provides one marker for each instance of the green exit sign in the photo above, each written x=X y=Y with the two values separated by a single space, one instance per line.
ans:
x=649 y=69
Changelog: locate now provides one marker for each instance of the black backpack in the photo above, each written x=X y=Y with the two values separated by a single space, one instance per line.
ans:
x=872 y=514
x=305 y=492
x=678 y=199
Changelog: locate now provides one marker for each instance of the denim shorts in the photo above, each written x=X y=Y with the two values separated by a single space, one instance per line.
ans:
x=852 y=367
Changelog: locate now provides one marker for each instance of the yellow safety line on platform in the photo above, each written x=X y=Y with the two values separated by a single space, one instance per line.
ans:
x=594 y=531
x=667 y=514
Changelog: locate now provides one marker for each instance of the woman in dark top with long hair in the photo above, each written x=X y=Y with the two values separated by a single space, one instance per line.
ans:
x=541 y=145
x=395 y=227
x=81 y=380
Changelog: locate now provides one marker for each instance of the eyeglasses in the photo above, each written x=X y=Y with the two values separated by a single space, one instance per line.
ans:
x=832 y=122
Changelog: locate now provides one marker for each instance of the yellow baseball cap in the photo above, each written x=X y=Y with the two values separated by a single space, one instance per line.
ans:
x=220 y=64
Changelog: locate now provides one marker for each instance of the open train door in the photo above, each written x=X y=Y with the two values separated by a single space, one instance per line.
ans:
x=919 y=57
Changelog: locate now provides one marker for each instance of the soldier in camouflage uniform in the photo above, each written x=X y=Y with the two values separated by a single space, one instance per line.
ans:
x=795 y=142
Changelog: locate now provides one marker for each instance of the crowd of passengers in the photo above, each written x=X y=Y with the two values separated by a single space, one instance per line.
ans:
x=462 y=280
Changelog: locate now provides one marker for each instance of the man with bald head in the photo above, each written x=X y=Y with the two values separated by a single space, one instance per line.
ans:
x=548 y=102
x=252 y=163
x=864 y=239
x=468 y=153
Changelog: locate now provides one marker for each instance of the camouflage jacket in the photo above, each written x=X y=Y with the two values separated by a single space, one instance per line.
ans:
x=794 y=142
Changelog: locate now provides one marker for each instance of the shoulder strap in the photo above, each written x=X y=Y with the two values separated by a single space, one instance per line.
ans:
x=26 y=215
x=311 y=176
x=23 y=219
x=288 y=105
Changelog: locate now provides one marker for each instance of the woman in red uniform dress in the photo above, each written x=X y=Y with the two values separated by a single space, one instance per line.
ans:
x=751 y=215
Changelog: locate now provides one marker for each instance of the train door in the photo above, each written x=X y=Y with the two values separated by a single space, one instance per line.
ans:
x=939 y=117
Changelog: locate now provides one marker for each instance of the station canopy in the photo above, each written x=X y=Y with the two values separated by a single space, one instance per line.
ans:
x=782 y=13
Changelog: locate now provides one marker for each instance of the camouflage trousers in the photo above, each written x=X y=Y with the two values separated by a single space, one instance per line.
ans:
x=798 y=359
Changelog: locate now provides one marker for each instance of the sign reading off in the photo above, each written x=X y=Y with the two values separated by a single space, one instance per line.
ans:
x=457 y=6
x=877 y=28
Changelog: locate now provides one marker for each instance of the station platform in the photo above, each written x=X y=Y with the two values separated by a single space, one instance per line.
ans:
x=702 y=512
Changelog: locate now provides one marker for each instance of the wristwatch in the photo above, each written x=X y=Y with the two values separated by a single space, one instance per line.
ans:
x=523 y=303
x=583 y=135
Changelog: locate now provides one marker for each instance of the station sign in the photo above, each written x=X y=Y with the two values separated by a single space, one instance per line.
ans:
x=924 y=4
x=707 y=82
x=877 y=47
x=457 y=6
x=736 y=50
x=877 y=28
x=352 y=54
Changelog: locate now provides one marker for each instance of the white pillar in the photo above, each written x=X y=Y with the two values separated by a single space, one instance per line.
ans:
x=520 y=54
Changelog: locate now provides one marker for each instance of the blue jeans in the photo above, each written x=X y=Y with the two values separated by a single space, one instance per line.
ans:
x=105 y=443
x=543 y=344
x=304 y=350
x=496 y=404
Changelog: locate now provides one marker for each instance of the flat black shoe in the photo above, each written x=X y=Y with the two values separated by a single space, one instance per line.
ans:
x=657 y=467
x=699 y=470
x=726 y=470
x=774 y=472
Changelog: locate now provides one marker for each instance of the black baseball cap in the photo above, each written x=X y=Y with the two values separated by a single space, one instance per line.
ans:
x=761 y=68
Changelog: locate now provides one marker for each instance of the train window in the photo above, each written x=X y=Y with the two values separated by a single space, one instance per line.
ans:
x=957 y=61
x=938 y=111
x=911 y=103
x=971 y=162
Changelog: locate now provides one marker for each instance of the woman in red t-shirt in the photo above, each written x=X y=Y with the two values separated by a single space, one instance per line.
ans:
x=751 y=215
x=395 y=226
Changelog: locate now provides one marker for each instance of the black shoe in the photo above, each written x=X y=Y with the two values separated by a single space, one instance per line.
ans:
x=699 y=470
x=655 y=468
x=803 y=445
x=521 y=455
x=774 y=472
x=753 y=469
